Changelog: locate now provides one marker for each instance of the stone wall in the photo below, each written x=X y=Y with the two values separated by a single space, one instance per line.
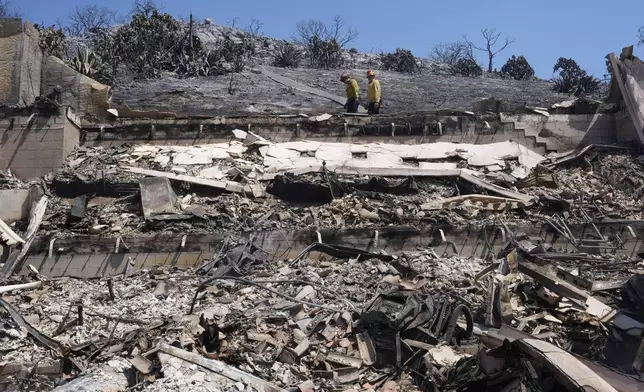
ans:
x=20 y=63
x=36 y=150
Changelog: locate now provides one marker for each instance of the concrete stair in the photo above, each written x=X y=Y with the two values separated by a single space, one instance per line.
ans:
x=531 y=132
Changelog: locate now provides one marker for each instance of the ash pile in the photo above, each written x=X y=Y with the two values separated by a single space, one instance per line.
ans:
x=332 y=318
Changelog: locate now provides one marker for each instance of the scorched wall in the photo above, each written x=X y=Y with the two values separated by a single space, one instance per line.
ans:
x=36 y=150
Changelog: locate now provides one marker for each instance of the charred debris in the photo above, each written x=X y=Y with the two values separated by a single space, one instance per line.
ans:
x=533 y=315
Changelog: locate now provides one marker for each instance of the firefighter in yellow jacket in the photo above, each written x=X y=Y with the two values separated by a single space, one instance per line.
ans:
x=353 y=93
x=374 y=96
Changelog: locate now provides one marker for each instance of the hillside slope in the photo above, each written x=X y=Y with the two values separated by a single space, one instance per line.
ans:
x=252 y=92
x=256 y=93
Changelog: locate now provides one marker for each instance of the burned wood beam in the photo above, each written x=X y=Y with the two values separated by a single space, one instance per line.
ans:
x=110 y=289
x=80 y=313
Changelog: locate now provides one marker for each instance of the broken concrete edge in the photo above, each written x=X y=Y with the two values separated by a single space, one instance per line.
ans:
x=583 y=299
x=157 y=197
x=230 y=186
x=572 y=155
x=629 y=95
x=569 y=371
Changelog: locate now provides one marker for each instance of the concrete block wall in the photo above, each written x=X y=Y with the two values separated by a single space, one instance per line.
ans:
x=563 y=132
x=20 y=63
x=35 y=151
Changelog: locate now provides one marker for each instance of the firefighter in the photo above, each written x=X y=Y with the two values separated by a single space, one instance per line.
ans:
x=353 y=93
x=374 y=97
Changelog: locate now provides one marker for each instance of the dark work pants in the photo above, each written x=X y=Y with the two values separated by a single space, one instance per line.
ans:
x=352 y=105
x=373 y=108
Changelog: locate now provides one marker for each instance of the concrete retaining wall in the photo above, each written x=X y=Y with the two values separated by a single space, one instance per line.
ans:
x=37 y=150
x=559 y=132
x=413 y=129
x=84 y=95
x=20 y=63
x=627 y=134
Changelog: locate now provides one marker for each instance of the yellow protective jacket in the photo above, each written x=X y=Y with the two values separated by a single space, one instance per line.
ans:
x=353 y=90
x=373 y=91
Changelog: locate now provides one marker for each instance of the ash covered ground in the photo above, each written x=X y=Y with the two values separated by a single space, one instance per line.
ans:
x=256 y=93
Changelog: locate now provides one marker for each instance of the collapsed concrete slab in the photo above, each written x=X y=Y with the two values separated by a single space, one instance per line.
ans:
x=157 y=197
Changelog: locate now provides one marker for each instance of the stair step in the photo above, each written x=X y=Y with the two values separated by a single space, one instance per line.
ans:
x=520 y=125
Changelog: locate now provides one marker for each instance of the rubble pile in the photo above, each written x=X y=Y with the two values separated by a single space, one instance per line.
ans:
x=540 y=314
x=238 y=213
x=8 y=181
x=346 y=319
x=607 y=186
x=263 y=186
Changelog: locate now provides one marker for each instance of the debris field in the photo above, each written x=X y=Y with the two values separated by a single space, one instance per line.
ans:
x=258 y=185
x=534 y=315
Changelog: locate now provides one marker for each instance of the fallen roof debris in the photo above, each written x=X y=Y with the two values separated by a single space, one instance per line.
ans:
x=334 y=317
x=349 y=320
